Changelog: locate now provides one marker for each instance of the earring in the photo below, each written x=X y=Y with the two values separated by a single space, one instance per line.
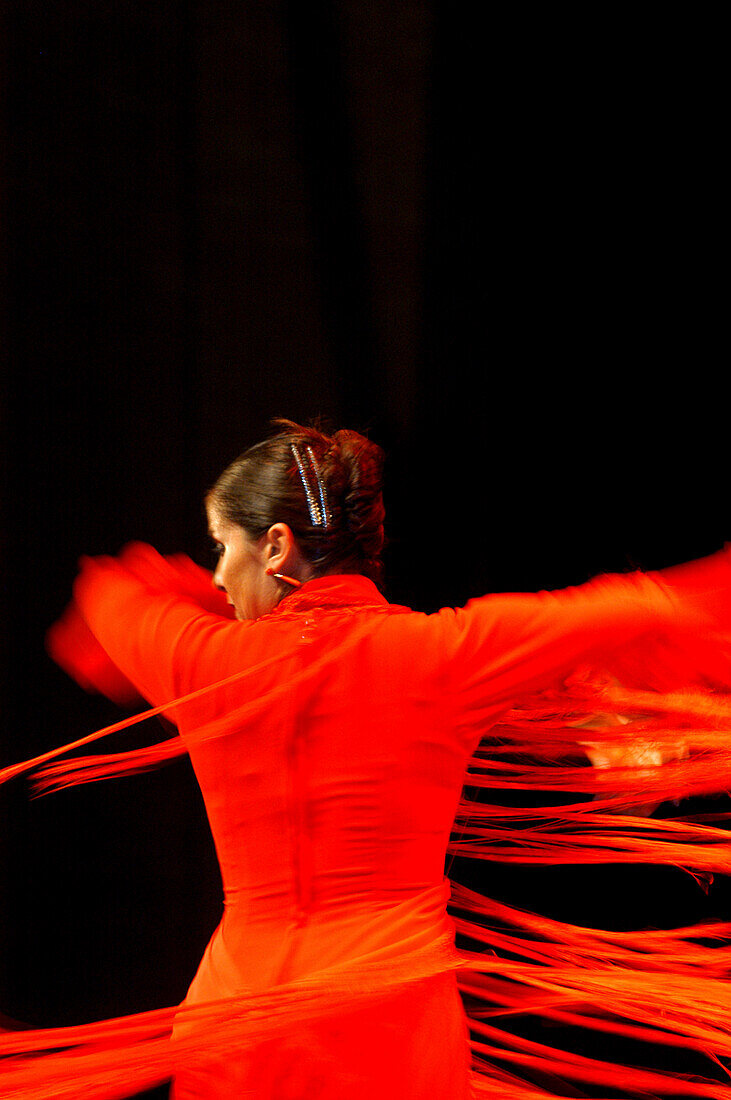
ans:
x=282 y=577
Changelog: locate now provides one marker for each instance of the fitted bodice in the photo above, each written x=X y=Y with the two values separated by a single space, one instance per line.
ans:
x=335 y=806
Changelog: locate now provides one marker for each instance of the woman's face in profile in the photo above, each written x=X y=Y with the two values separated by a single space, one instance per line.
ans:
x=240 y=571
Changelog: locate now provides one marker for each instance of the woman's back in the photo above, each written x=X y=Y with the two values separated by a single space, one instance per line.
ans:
x=331 y=811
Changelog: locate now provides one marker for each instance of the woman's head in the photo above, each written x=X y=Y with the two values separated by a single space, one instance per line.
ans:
x=306 y=504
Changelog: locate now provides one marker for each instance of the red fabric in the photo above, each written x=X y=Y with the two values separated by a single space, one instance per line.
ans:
x=331 y=761
x=75 y=649
x=78 y=652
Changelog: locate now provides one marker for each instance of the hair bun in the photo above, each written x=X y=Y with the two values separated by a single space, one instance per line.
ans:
x=359 y=463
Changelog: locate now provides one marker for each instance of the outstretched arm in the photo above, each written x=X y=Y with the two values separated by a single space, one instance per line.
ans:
x=119 y=604
x=506 y=646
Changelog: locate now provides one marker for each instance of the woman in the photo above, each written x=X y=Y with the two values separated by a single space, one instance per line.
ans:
x=330 y=732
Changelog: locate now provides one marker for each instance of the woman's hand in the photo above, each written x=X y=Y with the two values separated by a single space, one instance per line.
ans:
x=636 y=753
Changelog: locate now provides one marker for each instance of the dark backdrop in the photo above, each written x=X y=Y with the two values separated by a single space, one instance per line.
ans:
x=496 y=248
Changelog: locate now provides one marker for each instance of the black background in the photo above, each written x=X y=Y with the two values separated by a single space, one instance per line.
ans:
x=499 y=249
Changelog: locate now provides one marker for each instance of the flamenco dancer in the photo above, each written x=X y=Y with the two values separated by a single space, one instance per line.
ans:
x=330 y=733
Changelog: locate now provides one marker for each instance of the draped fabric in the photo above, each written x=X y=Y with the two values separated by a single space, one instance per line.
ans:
x=331 y=740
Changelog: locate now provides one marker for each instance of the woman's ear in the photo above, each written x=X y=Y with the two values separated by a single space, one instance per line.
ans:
x=279 y=547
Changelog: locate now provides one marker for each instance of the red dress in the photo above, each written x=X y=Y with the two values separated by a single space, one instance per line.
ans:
x=331 y=768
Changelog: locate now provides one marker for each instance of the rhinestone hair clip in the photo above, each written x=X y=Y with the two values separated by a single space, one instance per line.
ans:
x=316 y=502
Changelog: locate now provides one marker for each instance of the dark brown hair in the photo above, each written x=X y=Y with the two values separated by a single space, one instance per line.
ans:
x=265 y=486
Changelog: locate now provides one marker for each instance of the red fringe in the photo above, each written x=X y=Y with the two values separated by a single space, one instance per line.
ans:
x=669 y=988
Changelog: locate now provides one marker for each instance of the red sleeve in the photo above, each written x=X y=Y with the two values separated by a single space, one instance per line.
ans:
x=504 y=646
x=71 y=644
x=159 y=622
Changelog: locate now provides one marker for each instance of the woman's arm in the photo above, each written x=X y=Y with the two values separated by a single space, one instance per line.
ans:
x=132 y=627
x=505 y=646
x=71 y=644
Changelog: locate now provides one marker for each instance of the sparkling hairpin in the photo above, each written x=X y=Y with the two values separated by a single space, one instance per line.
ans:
x=317 y=507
